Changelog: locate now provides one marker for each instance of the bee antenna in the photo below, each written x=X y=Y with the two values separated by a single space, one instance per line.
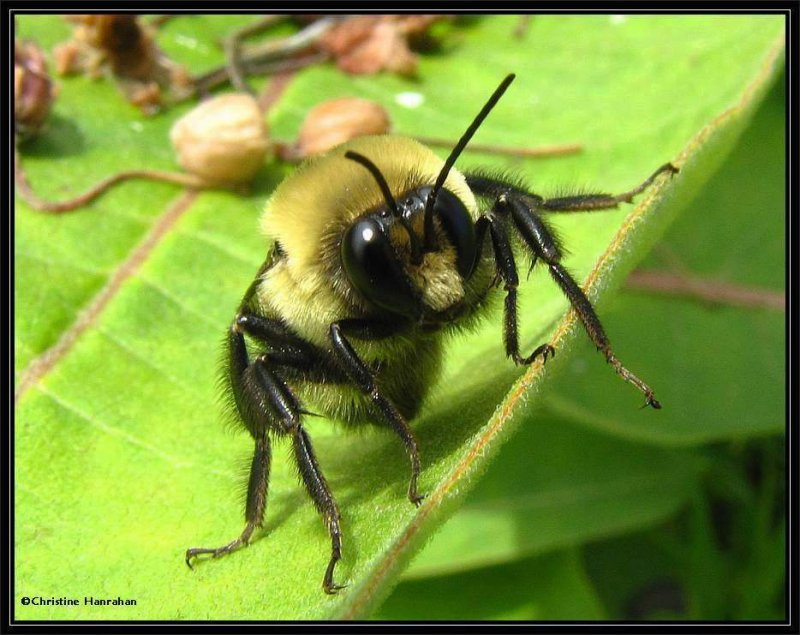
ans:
x=376 y=173
x=459 y=147
x=416 y=250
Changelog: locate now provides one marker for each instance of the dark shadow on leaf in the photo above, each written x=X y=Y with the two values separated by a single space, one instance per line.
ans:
x=60 y=138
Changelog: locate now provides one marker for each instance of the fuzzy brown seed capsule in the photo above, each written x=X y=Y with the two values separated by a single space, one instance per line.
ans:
x=333 y=122
x=223 y=140
x=33 y=91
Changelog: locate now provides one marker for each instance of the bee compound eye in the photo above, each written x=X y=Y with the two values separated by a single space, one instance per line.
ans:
x=375 y=270
x=459 y=227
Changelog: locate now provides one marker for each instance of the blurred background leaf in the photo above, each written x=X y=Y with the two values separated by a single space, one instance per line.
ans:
x=121 y=463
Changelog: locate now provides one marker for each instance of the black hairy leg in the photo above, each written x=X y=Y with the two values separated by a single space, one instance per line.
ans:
x=513 y=205
x=267 y=405
x=593 y=202
x=507 y=270
x=363 y=377
x=289 y=353
x=256 y=503
x=494 y=187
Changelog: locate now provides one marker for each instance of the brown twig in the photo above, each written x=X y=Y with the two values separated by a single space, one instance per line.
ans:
x=542 y=151
x=713 y=291
x=27 y=194
x=271 y=56
x=274 y=89
x=287 y=65
x=232 y=46
x=285 y=47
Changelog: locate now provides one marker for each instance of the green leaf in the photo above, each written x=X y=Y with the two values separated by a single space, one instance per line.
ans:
x=549 y=587
x=64 y=263
x=555 y=485
x=719 y=368
x=638 y=576
x=121 y=463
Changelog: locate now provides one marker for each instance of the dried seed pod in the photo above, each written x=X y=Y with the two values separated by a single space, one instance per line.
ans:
x=124 y=46
x=33 y=90
x=338 y=120
x=223 y=140
x=128 y=46
x=68 y=58
x=385 y=48
x=367 y=44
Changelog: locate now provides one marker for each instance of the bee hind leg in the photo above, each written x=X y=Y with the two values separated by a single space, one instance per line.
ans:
x=266 y=404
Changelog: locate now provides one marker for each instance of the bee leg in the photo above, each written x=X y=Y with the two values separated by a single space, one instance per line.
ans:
x=524 y=208
x=592 y=202
x=289 y=350
x=282 y=399
x=507 y=269
x=265 y=403
x=320 y=494
x=543 y=243
x=256 y=503
x=247 y=400
x=360 y=374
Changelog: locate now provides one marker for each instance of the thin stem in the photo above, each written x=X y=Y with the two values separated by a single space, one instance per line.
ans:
x=273 y=89
x=271 y=56
x=284 y=66
x=285 y=47
x=514 y=151
x=27 y=194
x=232 y=46
x=713 y=291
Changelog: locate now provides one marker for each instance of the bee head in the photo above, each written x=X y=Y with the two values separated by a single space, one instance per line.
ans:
x=401 y=261
x=440 y=235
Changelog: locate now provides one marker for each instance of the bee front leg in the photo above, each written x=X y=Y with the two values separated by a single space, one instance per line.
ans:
x=507 y=269
x=595 y=202
x=524 y=208
x=364 y=378
x=543 y=243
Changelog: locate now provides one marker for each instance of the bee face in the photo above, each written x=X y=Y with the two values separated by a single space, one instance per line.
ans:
x=392 y=263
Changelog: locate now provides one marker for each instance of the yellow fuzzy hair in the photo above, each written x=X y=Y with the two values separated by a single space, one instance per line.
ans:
x=331 y=188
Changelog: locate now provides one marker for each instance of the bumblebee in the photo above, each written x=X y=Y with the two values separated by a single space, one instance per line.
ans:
x=365 y=275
